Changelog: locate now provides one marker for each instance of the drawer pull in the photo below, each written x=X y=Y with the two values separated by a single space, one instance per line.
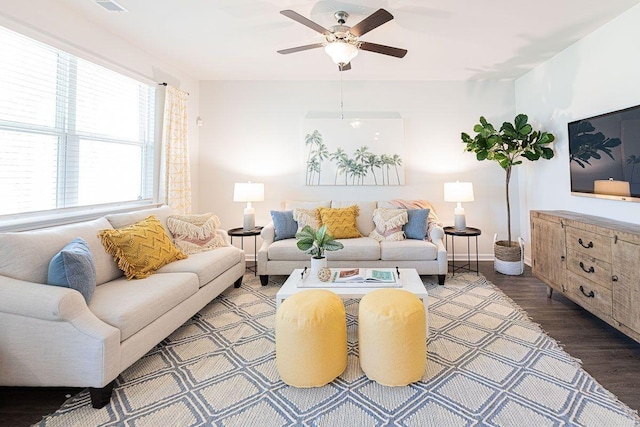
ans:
x=589 y=246
x=614 y=278
x=588 y=295
x=590 y=270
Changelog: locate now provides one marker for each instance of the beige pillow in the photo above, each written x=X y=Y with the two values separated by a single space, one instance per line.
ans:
x=389 y=224
x=306 y=217
x=196 y=233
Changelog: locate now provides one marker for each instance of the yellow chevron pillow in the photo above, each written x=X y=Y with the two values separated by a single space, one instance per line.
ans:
x=141 y=248
x=341 y=222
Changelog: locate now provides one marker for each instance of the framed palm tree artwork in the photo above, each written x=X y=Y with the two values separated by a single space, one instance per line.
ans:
x=353 y=151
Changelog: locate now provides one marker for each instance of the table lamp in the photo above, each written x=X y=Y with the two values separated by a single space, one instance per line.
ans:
x=248 y=192
x=459 y=192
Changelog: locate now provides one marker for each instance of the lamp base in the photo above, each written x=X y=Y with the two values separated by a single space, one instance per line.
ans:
x=461 y=222
x=249 y=222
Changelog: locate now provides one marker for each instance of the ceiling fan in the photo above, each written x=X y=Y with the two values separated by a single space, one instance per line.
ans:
x=342 y=42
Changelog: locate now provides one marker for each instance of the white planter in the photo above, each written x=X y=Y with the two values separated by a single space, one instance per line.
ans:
x=316 y=265
x=512 y=268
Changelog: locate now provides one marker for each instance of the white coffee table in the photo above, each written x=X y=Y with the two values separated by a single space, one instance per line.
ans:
x=409 y=279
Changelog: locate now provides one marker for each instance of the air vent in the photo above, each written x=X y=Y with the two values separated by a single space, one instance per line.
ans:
x=111 y=5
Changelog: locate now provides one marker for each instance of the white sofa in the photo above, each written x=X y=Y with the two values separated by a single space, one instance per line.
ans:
x=51 y=337
x=427 y=257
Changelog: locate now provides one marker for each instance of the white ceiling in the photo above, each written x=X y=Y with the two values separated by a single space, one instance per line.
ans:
x=446 y=39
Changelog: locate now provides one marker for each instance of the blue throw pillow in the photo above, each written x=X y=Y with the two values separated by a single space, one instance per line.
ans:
x=416 y=227
x=286 y=227
x=73 y=267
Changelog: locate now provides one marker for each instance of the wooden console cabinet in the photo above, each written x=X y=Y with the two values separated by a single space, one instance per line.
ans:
x=593 y=261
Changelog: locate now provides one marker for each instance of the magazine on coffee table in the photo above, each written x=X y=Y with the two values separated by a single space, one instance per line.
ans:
x=365 y=275
x=356 y=279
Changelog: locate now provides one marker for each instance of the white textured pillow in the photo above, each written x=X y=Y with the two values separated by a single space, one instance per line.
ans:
x=389 y=224
x=196 y=233
x=306 y=217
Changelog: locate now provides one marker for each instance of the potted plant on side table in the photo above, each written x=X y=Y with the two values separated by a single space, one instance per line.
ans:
x=507 y=146
x=315 y=243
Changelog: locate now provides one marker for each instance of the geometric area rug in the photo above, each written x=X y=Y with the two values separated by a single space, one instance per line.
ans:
x=488 y=364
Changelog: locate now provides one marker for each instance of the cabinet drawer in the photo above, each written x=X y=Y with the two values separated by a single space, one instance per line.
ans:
x=590 y=268
x=595 y=298
x=590 y=244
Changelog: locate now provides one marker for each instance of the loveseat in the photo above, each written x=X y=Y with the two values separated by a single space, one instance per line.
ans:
x=426 y=253
x=50 y=336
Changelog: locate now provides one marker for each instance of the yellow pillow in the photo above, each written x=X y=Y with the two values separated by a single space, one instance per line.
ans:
x=141 y=248
x=341 y=222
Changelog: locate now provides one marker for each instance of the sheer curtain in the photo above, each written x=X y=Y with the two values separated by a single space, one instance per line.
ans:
x=175 y=174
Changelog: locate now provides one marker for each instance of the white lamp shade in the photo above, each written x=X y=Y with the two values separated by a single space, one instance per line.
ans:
x=248 y=192
x=458 y=192
x=611 y=187
x=341 y=52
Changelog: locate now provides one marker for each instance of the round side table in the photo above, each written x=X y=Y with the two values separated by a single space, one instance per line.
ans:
x=468 y=232
x=240 y=232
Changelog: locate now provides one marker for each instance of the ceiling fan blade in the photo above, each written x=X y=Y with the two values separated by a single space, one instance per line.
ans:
x=300 y=48
x=345 y=67
x=372 y=21
x=304 y=21
x=385 y=50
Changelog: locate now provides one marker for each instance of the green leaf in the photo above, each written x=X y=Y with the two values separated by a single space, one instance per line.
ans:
x=547 y=153
x=521 y=121
x=482 y=155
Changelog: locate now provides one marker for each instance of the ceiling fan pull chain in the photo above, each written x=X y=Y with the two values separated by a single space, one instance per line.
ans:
x=341 y=103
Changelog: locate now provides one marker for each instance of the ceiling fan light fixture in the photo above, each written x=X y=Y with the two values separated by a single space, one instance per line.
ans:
x=341 y=52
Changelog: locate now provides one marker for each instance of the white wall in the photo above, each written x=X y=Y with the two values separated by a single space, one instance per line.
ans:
x=49 y=21
x=596 y=75
x=253 y=131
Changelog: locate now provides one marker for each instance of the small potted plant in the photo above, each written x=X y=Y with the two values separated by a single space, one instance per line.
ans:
x=507 y=146
x=315 y=243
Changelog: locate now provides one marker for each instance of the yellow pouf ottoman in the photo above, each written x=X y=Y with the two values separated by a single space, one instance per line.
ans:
x=311 y=338
x=392 y=337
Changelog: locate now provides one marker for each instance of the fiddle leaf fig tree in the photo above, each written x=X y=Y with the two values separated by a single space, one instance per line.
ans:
x=508 y=146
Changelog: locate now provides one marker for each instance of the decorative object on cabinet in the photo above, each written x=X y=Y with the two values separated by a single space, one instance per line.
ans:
x=508 y=146
x=592 y=261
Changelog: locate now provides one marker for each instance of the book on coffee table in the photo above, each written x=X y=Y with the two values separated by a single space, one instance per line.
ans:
x=364 y=275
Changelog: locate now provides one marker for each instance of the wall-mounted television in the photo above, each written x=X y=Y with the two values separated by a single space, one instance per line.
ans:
x=604 y=155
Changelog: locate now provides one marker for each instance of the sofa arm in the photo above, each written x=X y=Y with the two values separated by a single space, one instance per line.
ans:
x=437 y=235
x=268 y=235
x=39 y=301
x=225 y=235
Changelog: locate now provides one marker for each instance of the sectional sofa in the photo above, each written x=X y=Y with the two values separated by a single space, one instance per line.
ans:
x=427 y=254
x=50 y=336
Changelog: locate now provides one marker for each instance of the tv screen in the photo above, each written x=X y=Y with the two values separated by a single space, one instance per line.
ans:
x=604 y=155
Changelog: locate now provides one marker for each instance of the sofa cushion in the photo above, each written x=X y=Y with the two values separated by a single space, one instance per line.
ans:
x=416 y=226
x=196 y=233
x=132 y=305
x=287 y=250
x=290 y=205
x=26 y=255
x=365 y=218
x=389 y=223
x=284 y=224
x=341 y=222
x=127 y=218
x=73 y=267
x=206 y=265
x=408 y=250
x=360 y=249
x=140 y=248
x=304 y=217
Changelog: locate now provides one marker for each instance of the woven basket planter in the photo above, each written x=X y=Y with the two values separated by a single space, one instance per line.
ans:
x=508 y=256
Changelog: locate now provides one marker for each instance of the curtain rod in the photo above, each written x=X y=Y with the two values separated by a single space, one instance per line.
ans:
x=165 y=84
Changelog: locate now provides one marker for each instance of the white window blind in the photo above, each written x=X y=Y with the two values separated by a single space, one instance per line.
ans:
x=73 y=134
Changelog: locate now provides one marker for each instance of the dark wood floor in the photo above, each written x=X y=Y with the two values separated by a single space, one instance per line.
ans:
x=608 y=355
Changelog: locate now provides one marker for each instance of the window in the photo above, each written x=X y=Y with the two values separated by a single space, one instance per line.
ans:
x=73 y=134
